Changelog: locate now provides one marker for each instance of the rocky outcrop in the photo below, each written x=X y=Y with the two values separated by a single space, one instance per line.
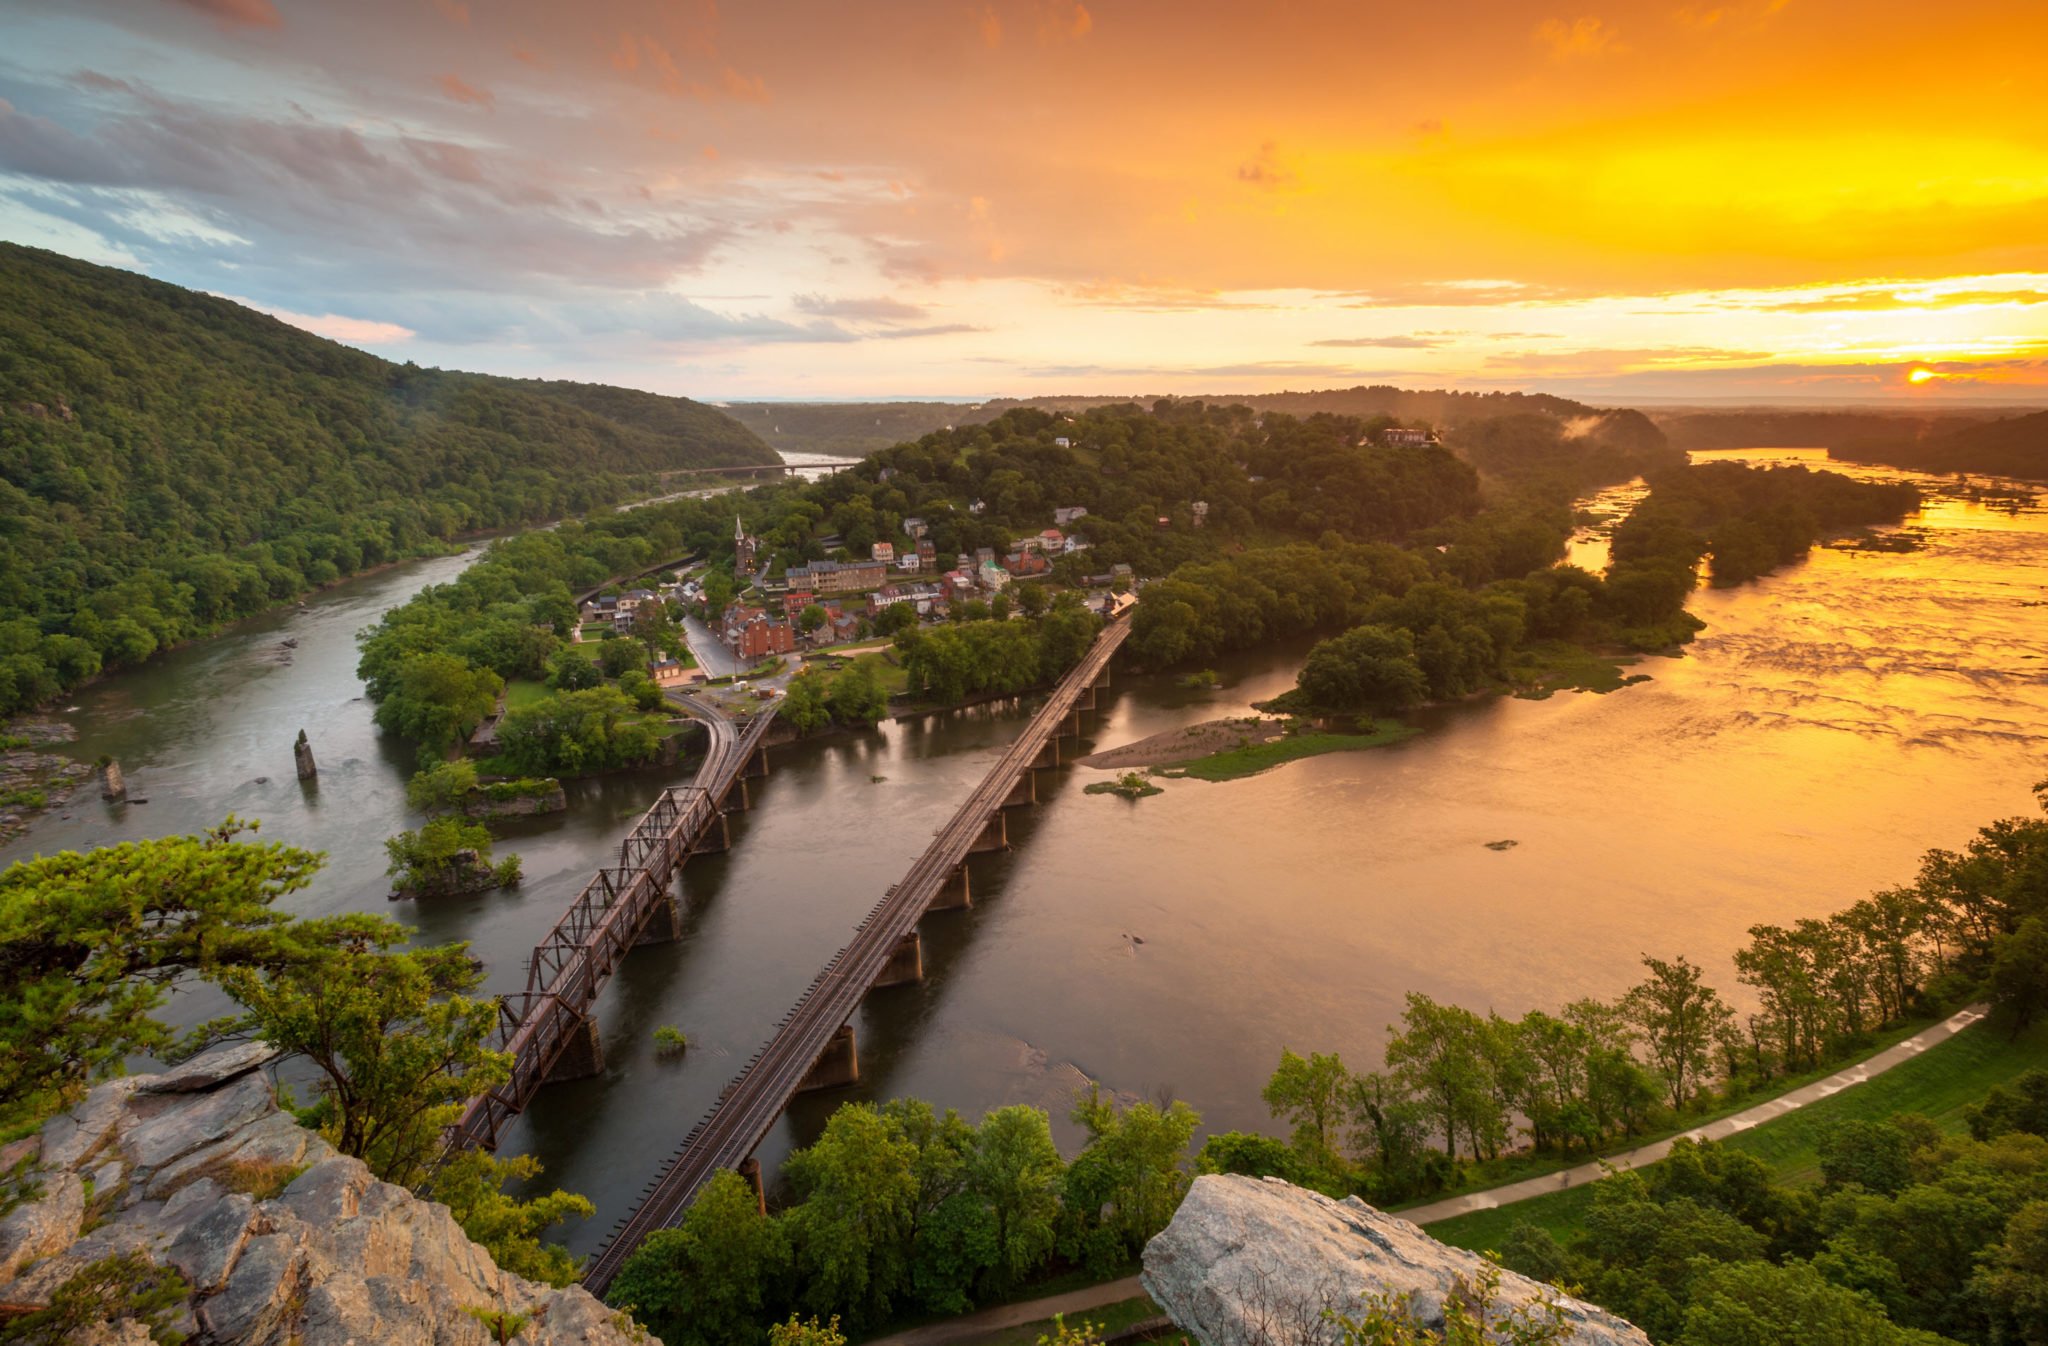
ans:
x=280 y=1238
x=1255 y=1261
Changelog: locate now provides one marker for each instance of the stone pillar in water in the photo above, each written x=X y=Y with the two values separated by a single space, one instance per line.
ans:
x=303 y=751
x=113 y=785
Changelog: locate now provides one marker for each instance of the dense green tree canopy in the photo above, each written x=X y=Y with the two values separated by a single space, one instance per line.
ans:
x=91 y=943
x=170 y=461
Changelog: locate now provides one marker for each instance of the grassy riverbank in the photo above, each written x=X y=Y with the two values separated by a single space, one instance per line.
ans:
x=1937 y=1084
x=1233 y=763
x=1542 y=670
x=1521 y=1167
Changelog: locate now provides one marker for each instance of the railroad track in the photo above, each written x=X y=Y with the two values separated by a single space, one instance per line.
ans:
x=749 y=1105
x=571 y=965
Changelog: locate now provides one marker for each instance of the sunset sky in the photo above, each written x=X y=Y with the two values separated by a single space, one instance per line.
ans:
x=1615 y=199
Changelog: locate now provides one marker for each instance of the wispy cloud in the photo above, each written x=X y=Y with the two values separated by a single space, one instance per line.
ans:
x=1265 y=170
x=238 y=13
x=1403 y=343
x=878 y=308
x=355 y=331
x=1584 y=36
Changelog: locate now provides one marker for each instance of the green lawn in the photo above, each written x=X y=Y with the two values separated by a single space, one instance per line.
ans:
x=1232 y=763
x=523 y=692
x=894 y=678
x=1937 y=1083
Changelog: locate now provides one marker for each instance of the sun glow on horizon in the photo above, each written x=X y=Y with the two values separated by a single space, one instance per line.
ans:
x=784 y=201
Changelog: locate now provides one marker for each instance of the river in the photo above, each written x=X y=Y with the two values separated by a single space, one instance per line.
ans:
x=1832 y=722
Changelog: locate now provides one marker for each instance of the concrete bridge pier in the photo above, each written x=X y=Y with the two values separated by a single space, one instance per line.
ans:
x=757 y=764
x=582 y=1055
x=1086 y=700
x=1048 y=756
x=737 y=791
x=906 y=965
x=1025 y=791
x=995 y=836
x=750 y=1169
x=664 y=924
x=716 y=836
x=953 y=894
x=838 y=1065
x=1071 y=726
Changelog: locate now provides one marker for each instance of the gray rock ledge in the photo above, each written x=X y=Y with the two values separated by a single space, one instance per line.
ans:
x=1256 y=1261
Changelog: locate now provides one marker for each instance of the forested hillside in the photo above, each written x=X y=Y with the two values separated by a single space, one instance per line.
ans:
x=2014 y=447
x=170 y=461
x=1765 y=429
x=856 y=428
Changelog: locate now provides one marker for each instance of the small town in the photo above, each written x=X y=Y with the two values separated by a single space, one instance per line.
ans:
x=815 y=605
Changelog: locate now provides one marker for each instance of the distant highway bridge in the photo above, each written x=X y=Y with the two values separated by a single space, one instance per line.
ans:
x=813 y=1047
x=549 y=1027
x=827 y=465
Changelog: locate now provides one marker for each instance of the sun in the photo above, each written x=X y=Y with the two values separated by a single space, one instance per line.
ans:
x=1921 y=376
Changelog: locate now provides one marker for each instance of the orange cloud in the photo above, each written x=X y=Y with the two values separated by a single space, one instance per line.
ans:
x=238 y=13
x=991 y=28
x=1584 y=36
x=1265 y=170
x=746 y=88
x=334 y=326
x=462 y=91
x=455 y=11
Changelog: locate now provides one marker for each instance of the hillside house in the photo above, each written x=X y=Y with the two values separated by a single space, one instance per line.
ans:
x=885 y=552
x=1066 y=514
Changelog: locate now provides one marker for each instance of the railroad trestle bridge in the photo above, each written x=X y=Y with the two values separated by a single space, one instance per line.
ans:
x=550 y=1028
x=813 y=1047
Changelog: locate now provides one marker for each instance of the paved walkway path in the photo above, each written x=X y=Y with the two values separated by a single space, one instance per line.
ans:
x=1494 y=1197
x=981 y=1324
x=972 y=1325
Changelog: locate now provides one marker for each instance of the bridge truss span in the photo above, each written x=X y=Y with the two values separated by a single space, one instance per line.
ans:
x=549 y=1027
x=813 y=1047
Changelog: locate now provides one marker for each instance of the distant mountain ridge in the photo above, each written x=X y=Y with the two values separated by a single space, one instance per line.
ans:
x=170 y=461
x=863 y=427
x=2016 y=446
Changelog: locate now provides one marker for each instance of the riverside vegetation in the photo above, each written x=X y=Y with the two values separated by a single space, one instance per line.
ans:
x=171 y=462
x=901 y=1208
x=904 y=1208
x=436 y=664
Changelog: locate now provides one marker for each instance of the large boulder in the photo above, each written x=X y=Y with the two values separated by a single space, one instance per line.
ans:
x=280 y=1238
x=1256 y=1261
